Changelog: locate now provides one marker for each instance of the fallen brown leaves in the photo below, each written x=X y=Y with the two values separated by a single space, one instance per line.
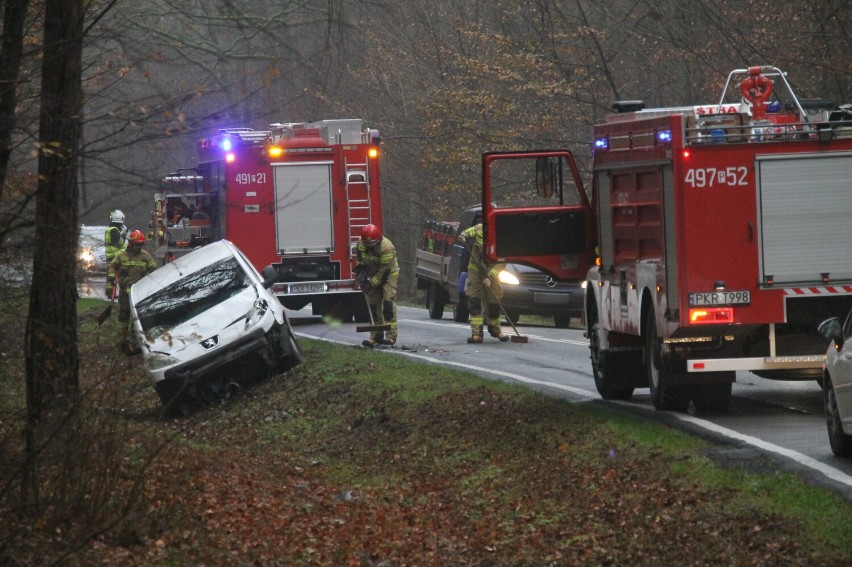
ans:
x=303 y=470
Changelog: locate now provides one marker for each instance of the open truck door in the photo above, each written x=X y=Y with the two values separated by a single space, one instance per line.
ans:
x=536 y=212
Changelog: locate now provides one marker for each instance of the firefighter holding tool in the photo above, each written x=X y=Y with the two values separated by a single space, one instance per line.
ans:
x=377 y=271
x=128 y=267
x=483 y=287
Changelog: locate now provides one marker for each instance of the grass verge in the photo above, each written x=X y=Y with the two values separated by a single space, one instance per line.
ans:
x=364 y=458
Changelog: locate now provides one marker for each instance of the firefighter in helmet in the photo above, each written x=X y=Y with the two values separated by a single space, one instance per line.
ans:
x=115 y=237
x=128 y=267
x=378 y=274
x=483 y=287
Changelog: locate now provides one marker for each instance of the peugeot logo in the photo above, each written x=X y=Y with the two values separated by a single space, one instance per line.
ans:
x=210 y=343
x=550 y=281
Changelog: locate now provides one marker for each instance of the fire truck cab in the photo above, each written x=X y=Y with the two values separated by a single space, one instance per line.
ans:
x=293 y=198
x=714 y=240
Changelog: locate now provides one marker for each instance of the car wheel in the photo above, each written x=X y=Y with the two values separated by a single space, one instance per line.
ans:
x=295 y=355
x=512 y=317
x=435 y=302
x=604 y=367
x=562 y=321
x=461 y=312
x=176 y=400
x=841 y=444
x=664 y=394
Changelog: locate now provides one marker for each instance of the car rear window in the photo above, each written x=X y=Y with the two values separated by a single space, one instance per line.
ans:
x=192 y=295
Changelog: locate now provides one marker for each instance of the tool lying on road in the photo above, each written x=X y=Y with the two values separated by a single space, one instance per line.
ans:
x=108 y=311
x=517 y=338
x=372 y=327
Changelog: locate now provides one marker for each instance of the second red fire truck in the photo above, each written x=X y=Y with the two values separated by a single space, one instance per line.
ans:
x=294 y=197
x=718 y=231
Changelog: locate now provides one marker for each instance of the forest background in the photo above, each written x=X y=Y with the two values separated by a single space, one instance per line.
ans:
x=443 y=81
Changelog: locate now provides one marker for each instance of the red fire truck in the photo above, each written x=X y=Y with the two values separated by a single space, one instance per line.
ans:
x=294 y=197
x=718 y=231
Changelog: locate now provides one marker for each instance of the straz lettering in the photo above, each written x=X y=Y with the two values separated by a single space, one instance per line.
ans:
x=714 y=109
x=710 y=177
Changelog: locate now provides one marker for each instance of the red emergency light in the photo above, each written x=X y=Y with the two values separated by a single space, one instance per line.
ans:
x=711 y=316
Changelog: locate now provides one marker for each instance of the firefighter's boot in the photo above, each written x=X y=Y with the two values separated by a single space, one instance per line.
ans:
x=375 y=339
x=497 y=333
x=389 y=317
x=475 y=334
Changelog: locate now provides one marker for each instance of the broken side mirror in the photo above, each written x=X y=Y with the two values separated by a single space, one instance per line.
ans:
x=269 y=275
x=544 y=177
x=831 y=329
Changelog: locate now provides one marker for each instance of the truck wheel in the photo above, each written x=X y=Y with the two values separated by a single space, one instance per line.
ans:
x=712 y=397
x=435 y=302
x=664 y=394
x=461 y=312
x=604 y=368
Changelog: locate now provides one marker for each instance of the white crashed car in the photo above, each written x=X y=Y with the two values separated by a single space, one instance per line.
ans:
x=837 y=384
x=206 y=322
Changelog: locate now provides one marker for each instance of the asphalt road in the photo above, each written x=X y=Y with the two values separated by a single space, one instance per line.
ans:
x=780 y=420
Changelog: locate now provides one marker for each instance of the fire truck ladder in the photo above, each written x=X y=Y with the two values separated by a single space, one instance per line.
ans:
x=357 y=199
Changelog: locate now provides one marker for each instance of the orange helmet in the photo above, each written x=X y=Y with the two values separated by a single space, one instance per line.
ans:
x=137 y=237
x=371 y=235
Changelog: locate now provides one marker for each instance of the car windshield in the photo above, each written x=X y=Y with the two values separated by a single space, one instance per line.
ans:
x=190 y=296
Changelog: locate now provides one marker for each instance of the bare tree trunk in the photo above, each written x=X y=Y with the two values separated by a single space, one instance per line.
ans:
x=14 y=16
x=52 y=360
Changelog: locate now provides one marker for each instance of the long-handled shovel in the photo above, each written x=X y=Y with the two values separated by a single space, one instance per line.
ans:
x=108 y=311
x=517 y=338
x=372 y=327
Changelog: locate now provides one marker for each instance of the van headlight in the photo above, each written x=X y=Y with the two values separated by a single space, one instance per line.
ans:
x=256 y=313
x=508 y=278
x=158 y=360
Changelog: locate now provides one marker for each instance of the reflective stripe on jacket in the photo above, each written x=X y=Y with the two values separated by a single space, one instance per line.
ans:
x=130 y=266
x=114 y=241
x=380 y=260
x=476 y=236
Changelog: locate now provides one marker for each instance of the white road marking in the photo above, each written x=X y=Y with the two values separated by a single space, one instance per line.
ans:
x=505 y=330
x=805 y=461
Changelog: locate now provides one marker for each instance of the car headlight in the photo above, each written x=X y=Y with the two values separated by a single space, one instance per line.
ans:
x=508 y=278
x=86 y=255
x=583 y=284
x=256 y=313
x=158 y=360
